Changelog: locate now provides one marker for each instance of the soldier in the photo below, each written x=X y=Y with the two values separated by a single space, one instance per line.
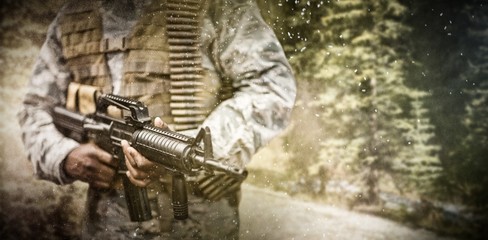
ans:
x=194 y=63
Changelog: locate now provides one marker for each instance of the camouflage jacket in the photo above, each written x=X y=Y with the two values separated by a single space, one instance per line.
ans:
x=248 y=52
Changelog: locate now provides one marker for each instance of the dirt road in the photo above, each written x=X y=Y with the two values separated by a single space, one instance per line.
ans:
x=270 y=215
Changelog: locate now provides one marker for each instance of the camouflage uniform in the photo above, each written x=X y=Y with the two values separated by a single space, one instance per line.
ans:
x=238 y=47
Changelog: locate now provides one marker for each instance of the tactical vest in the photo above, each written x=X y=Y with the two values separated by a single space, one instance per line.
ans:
x=162 y=58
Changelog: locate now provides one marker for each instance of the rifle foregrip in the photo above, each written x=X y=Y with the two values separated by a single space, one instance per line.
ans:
x=180 y=198
x=137 y=201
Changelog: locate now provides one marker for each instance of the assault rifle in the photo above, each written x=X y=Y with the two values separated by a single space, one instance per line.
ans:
x=180 y=154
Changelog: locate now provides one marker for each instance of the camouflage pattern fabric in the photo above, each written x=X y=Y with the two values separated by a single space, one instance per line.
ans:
x=237 y=45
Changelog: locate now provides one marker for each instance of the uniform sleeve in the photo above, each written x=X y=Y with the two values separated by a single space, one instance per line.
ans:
x=45 y=145
x=248 y=53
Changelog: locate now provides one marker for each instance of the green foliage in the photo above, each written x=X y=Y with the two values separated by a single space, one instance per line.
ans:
x=442 y=47
x=350 y=58
x=450 y=42
x=373 y=56
x=423 y=169
x=473 y=150
x=391 y=88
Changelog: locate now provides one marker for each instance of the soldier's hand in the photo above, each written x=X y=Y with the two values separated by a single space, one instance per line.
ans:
x=91 y=164
x=141 y=171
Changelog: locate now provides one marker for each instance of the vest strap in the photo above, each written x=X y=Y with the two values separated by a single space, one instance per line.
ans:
x=113 y=44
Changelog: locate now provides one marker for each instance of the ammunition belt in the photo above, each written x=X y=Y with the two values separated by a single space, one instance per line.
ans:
x=184 y=19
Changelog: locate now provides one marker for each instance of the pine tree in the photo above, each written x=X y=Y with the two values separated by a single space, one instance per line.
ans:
x=417 y=168
x=357 y=61
x=440 y=47
x=473 y=151
x=350 y=58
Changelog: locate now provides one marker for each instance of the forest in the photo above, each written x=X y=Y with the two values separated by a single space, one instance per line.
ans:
x=392 y=104
x=393 y=96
